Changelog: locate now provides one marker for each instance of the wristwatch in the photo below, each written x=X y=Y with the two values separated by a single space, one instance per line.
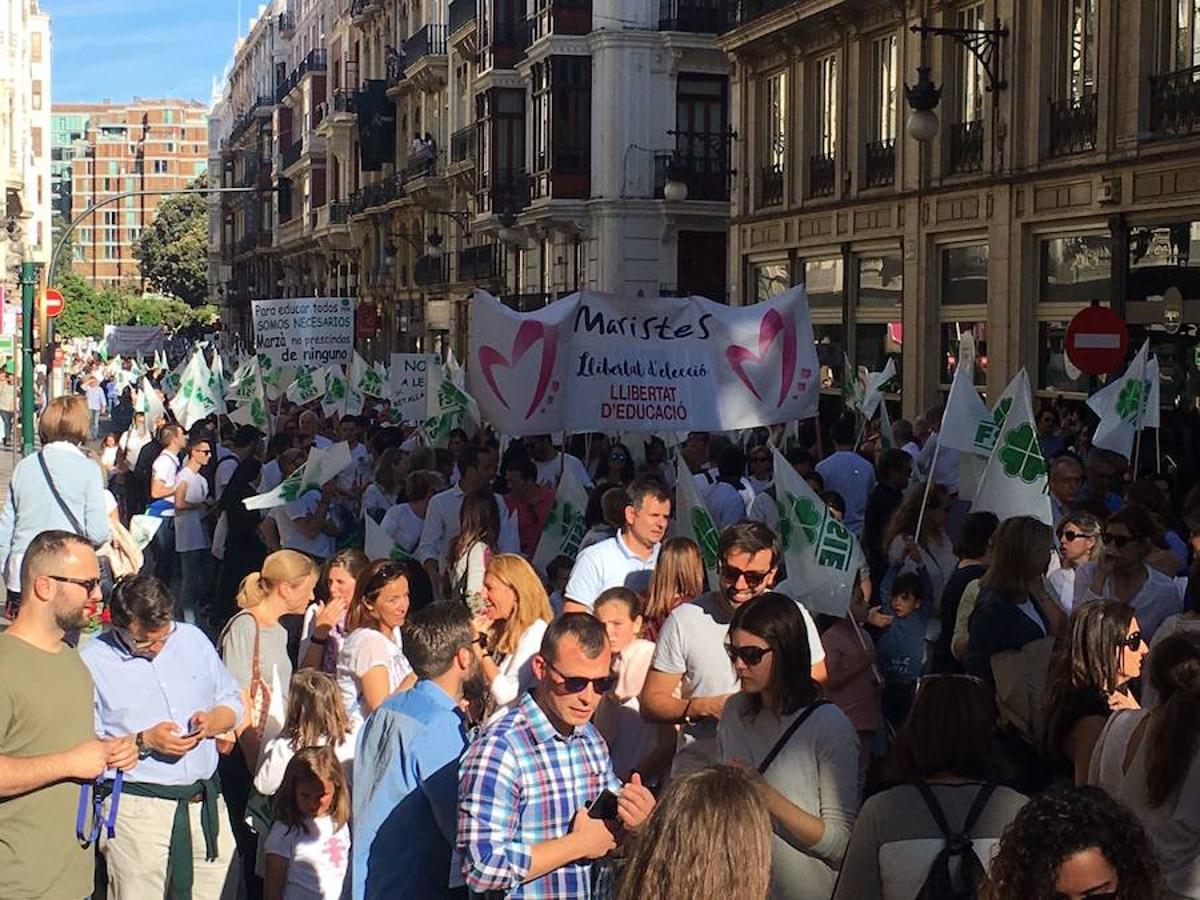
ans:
x=143 y=750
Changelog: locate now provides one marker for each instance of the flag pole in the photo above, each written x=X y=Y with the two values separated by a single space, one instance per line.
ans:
x=928 y=485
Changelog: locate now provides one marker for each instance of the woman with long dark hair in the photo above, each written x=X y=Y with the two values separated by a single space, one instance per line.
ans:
x=802 y=752
x=472 y=549
x=973 y=552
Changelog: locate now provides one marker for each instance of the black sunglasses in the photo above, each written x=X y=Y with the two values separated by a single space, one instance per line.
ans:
x=753 y=579
x=1132 y=642
x=577 y=684
x=1069 y=535
x=88 y=584
x=751 y=656
x=1118 y=540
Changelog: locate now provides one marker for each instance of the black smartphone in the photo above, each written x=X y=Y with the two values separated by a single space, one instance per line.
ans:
x=604 y=807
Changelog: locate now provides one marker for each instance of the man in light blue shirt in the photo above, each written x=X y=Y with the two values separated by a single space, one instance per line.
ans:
x=406 y=767
x=162 y=681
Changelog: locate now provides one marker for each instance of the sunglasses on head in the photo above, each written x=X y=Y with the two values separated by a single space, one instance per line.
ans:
x=577 y=684
x=1117 y=540
x=1132 y=642
x=1069 y=535
x=753 y=579
x=383 y=577
x=751 y=656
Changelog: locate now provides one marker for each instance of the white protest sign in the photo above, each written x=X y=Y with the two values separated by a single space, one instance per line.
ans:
x=309 y=332
x=594 y=362
x=408 y=379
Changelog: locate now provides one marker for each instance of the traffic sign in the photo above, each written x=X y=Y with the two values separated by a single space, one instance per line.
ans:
x=1097 y=340
x=53 y=303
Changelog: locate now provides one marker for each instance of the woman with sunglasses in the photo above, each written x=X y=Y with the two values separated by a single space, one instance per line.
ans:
x=1078 y=536
x=371 y=665
x=1089 y=678
x=801 y=752
x=1123 y=572
x=1149 y=760
x=616 y=469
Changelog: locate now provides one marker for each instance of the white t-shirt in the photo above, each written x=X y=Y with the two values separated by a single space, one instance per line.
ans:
x=131 y=444
x=166 y=469
x=278 y=752
x=190 y=533
x=516 y=671
x=363 y=650
x=290 y=538
x=726 y=504
x=375 y=500
x=548 y=472
x=851 y=476
x=318 y=855
x=359 y=470
x=692 y=644
x=403 y=526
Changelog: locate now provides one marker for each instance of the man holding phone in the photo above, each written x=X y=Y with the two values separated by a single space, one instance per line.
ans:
x=524 y=824
x=162 y=681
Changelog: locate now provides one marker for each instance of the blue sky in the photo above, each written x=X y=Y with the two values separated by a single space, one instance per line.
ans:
x=118 y=49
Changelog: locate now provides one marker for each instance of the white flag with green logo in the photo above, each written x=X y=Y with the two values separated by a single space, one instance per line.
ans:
x=1127 y=404
x=367 y=380
x=253 y=409
x=150 y=404
x=967 y=425
x=1014 y=482
x=246 y=381
x=822 y=555
x=336 y=389
x=852 y=388
x=448 y=406
x=307 y=386
x=378 y=544
x=886 y=440
x=193 y=401
x=217 y=387
x=693 y=520
x=565 y=526
x=873 y=393
x=171 y=381
x=321 y=466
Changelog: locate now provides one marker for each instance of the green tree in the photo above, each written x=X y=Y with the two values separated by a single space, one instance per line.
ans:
x=87 y=310
x=173 y=251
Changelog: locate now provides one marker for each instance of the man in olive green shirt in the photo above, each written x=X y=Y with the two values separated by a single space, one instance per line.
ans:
x=48 y=745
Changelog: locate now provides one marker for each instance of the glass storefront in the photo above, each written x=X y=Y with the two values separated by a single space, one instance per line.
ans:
x=951 y=335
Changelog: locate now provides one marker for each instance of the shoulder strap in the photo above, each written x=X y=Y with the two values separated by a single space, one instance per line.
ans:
x=787 y=734
x=939 y=816
x=935 y=809
x=58 y=497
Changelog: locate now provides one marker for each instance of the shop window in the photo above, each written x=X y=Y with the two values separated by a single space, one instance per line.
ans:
x=1163 y=256
x=952 y=333
x=1075 y=269
x=768 y=280
x=823 y=282
x=1055 y=372
x=964 y=275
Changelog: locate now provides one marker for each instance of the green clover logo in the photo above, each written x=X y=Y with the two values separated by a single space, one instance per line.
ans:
x=336 y=389
x=706 y=537
x=1021 y=455
x=1129 y=401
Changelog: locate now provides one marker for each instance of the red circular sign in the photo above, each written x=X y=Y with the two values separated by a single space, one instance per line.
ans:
x=53 y=303
x=1097 y=340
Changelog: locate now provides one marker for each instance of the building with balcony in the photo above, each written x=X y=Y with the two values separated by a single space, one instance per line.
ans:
x=1072 y=182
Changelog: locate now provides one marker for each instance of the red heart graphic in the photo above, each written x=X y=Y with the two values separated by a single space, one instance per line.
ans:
x=528 y=334
x=771 y=325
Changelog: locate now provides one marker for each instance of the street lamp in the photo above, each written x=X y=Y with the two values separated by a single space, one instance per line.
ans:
x=509 y=233
x=675 y=190
x=923 y=97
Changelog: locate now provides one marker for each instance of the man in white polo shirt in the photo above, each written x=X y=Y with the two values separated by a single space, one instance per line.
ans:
x=627 y=559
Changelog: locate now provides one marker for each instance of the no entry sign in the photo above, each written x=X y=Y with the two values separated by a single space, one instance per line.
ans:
x=53 y=303
x=1097 y=340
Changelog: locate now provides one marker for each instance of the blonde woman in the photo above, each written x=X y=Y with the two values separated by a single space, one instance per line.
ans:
x=509 y=631
x=678 y=577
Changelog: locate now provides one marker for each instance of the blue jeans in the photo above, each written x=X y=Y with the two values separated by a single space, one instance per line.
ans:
x=95 y=423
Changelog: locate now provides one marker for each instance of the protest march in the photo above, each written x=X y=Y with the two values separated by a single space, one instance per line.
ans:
x=618 y=605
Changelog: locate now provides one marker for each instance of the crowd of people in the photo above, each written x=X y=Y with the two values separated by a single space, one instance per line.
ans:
x=244 y=704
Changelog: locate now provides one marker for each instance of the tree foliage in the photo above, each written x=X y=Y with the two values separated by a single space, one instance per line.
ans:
x=88 y=310
x=173 y=250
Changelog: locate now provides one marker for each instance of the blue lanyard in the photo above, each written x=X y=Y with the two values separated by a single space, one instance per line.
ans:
x=99 y=821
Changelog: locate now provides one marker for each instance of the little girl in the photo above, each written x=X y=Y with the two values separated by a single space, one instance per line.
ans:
x=308 y=850
x=316 y=717
x=634 y=745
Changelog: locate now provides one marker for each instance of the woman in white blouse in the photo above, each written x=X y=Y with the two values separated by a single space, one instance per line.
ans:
x=510 y=629
x=371 y=664
x=404 y=521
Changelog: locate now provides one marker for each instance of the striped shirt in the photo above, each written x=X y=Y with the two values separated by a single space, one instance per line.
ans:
x=520 y=784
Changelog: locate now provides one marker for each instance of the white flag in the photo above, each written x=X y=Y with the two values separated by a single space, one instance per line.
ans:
x=447 y=406
x=193 y=401
x=1123 y=405
x=321 y=467
x=565 y=526
x=1014 y=482
x=874 y=390
x=966 y=418
x=336 y=390
x=822 y=555
x=253 y=409
x=216 y=384
x=367 y=380
x=378 y=544
x=150 y=404
x=693 y=519
x=886 y=439
x=308 y=385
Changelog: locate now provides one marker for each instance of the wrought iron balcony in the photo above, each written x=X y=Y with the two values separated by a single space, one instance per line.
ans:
x=880 y=163
x=744 y=11
x=431 y=270
x=291 y=155
x=1175 y=101
x=461 y=12
x=770 y=185
x=1073 y=125
x=380 y=193
x=316 y=61
x=361 y=8
x=394 y=66
x=706 y=175
x=339 y=212
x=462 y=144
x=966 y=147
x=430 y=40
x=696 y=16
x=287 y=23
x=822 y=175
x=342 y=101
x=420 y=166
x=480 y=263
x=505 y=189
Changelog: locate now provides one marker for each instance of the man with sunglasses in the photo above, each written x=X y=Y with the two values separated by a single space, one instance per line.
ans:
x=48 y=745
x=691 y=646
x=526 y=784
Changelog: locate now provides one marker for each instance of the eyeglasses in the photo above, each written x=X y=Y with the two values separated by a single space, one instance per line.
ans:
x=1132 y=642
x=141 y=646
x=1118 y=540
x=577 y=684
x=88 y=584
x=751 y=656
x=1069 y=535
x=753 y=579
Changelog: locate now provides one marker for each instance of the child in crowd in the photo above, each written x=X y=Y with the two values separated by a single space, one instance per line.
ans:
x=316 y=717
x=635 y=745
x=558 y=572
x=901 y=647
x=308 y=849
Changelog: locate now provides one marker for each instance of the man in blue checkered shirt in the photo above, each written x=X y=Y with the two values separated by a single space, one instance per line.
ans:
x=525 y=785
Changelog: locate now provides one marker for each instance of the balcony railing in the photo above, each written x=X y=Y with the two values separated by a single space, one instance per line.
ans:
x=287 y=23
x=1073 y=125
x=770 y=185
x=420 y=166
x=822 y=174
x=316 y=61
x=461 y=12
x=966 y=147
x=744 y=11
x=1175 y=101
x=339 y=212
x=243 y=122
x=342 y=101
x=462 y=144
x=505 y=189
x=480 y=263
x=431 y=270
x=706 y=175
x=558 y=17
x=291 y=155
x=380 y=193
x=360 y=8
x=696 y=16
x=430 y=40
x=880 y=160
x=394 y=66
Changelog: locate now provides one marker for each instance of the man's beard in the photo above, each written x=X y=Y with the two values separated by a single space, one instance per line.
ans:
x=71 y=621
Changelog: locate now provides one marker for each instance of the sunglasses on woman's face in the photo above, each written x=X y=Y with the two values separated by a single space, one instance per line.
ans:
x=1132 y=642
x=751 y=656
x=1117 y=540
x=1069 y=535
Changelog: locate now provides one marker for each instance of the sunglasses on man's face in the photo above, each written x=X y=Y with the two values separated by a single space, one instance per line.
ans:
x=1133 y=642
x=753 y=579
x=1069 y=535
x=577 y=684
x=751 y=656
x=1117 y=540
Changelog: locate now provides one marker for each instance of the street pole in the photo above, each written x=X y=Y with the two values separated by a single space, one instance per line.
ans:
x=29 y=282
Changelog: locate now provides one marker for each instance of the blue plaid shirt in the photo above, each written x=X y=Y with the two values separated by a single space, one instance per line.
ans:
x=520 y=784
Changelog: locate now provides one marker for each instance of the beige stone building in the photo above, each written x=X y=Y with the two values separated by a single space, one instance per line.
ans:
x=1075 y=180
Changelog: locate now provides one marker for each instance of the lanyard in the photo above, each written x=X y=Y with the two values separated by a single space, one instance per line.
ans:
x=99 y=821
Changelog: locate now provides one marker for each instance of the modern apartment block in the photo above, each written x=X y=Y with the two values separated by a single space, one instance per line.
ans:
x=423 y=149
x=25 y=233
x=155 y=146
x=1060 y=171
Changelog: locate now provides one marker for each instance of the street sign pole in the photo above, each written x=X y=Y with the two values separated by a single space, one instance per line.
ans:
x=29 y=283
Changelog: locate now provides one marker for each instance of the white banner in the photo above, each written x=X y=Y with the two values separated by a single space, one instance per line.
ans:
x=408 y=379
x=134 y=340
x=594 y=362
x=311 y=331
